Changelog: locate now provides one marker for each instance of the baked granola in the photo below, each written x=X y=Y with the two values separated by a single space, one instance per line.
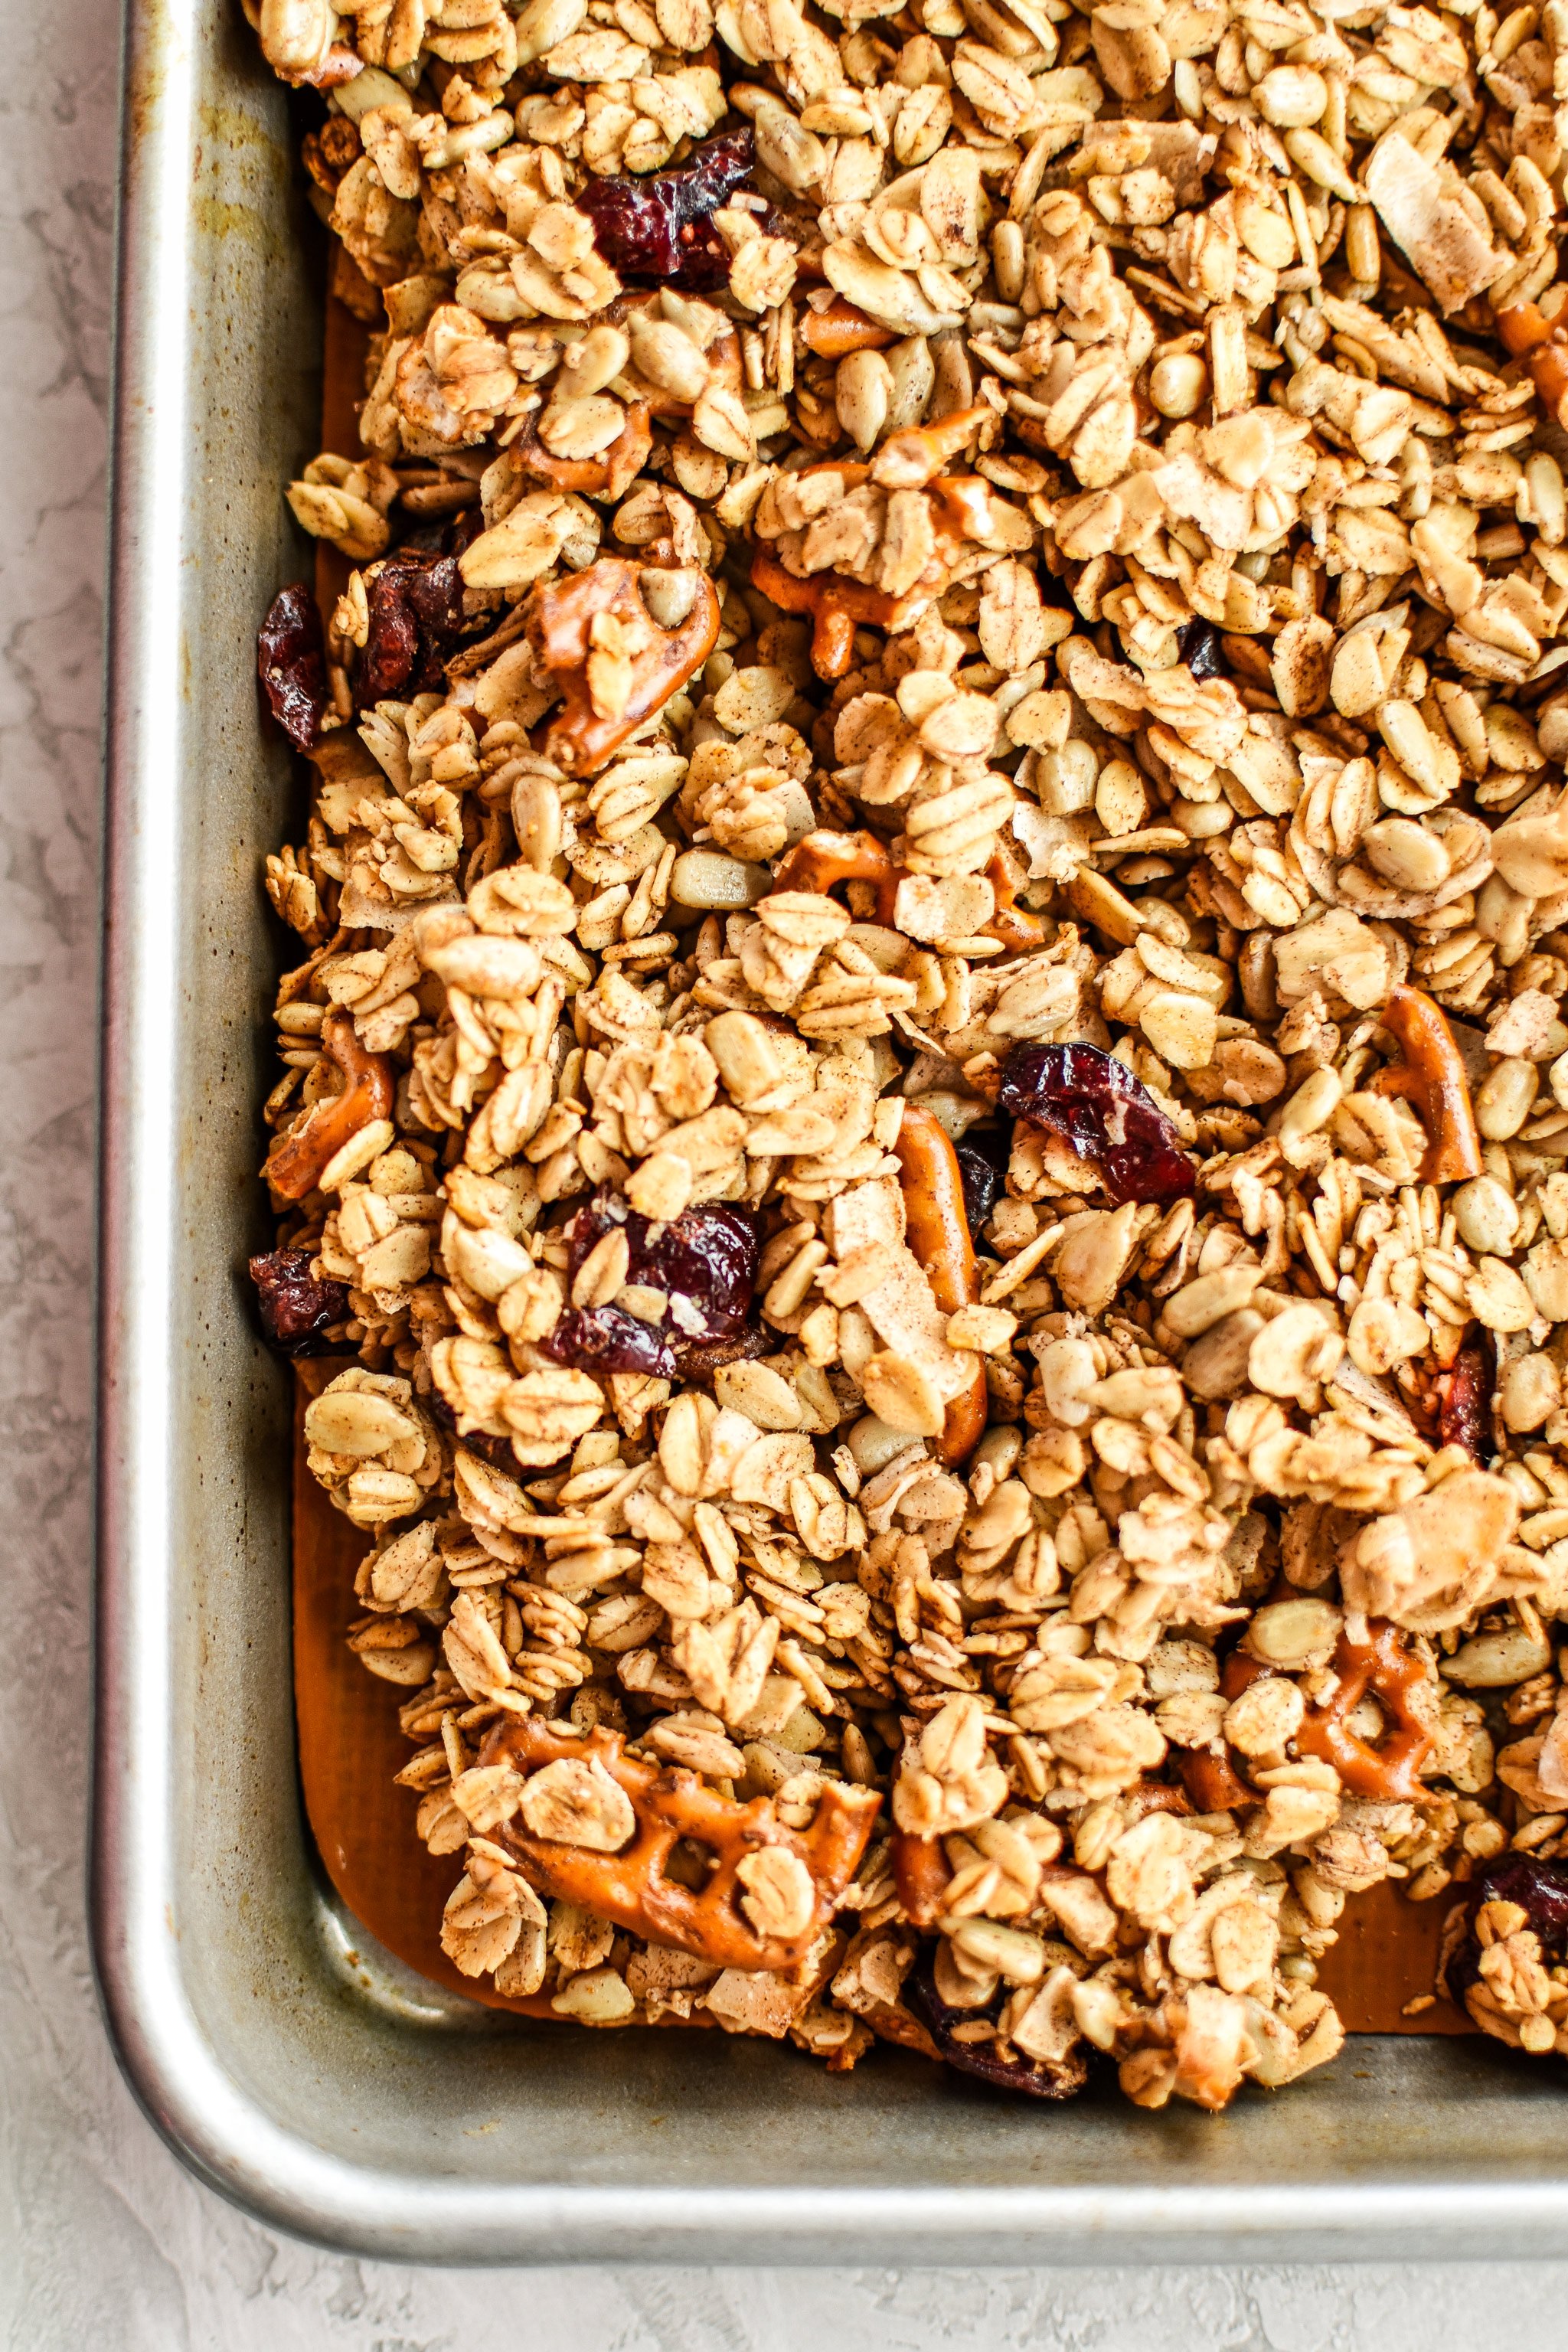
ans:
x=928 y=1098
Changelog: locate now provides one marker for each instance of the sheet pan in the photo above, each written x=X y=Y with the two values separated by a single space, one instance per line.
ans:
x=289 y=2061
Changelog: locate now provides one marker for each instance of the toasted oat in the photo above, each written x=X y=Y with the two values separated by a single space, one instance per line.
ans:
x=1071 y=561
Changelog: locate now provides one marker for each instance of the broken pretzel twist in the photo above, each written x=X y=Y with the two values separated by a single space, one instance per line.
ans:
x=1432 y=1077
x=936 y=1226
x=824 y=859
x=672 y=1805
x=1385 y=1665
x=567 y=619
x=298 y=1161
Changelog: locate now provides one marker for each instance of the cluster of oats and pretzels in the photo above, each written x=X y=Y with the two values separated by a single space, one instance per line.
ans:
x=928 y=1095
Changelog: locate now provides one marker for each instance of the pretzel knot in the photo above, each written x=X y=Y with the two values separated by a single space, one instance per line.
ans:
x=670 y=1805
x=601 y=611
x=298 y=1161
x=1385 y=1665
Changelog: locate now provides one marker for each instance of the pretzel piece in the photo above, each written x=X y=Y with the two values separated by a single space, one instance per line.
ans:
x=1211 y=1781
x=822 y=858
x=961 y=510
x=631 y=1888
x=1432 y=1077
x=960 y=504
x=841 y=329
x=1226 y=1764
x=910 y=460
x=1385 y=1665
x=298 y=1161
x=936 y=1226
x=604 y=477
x=568 y=618
x=726 y=365
x=922 y=1874
x=1147 y=1796
x=1543 y=346
x=1012 y=924
x=837 y=607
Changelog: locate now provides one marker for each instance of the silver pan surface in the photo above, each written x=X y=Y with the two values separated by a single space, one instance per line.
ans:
x=295 y=2069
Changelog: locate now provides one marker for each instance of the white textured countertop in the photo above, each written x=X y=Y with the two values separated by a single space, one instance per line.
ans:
x=105 y=2240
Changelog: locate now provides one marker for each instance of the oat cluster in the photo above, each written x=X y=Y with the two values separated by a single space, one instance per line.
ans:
x=927 y=1107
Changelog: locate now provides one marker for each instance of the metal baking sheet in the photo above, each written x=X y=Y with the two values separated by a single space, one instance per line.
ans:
x=291 y=2062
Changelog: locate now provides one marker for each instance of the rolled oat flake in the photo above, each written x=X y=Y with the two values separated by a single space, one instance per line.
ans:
x=923 y=1098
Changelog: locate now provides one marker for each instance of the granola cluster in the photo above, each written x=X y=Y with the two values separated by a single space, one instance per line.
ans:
x=928 y=1106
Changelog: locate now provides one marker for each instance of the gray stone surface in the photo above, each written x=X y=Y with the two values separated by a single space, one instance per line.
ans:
x=104 y=2241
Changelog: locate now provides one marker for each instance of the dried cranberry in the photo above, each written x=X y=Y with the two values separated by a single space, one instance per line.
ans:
x=705 y=1262
x=699 y=1358
x=498 y=1452
x=1464 y=1407
x=659 y=226
x=1198 y=642
x=608 y=1339
x=291 y=664
x=1042 y=2078
x=1094 y=1102
x=981 y=1184
x=1540 y=1890
x=416 y=606
x=295 y=1308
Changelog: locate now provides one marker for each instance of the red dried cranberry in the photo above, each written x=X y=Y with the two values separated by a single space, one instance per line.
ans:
x=699 y=1358
x=295 y=1308
x=291 y=664
x=982 y=1180
x=416 y=606
x=1094 y=1102
x=659 y=226
x=608 y=1339
x=1463 y=1405
x=500 y=1452
x=705 y=1261
x=1042 y=2078
x=1198 y=643
x=1540 y=1890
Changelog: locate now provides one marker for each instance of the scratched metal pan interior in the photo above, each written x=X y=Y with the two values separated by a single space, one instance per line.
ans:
x=316 y=2083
